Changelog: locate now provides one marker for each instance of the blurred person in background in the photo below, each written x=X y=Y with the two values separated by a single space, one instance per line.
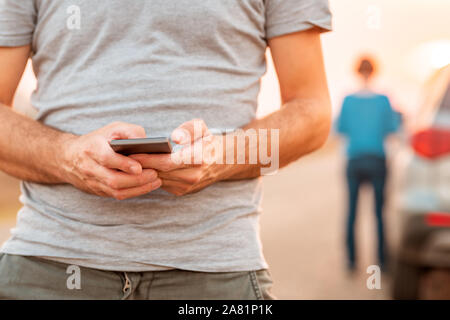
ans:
x=366 y=119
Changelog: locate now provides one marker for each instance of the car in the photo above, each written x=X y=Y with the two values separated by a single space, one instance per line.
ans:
x=422 y=262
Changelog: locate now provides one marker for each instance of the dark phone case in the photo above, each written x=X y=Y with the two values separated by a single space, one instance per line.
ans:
x=145 y=145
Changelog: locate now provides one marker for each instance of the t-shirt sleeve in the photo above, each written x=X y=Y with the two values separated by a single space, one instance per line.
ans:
x=341 y=122
x=289 y=16
x=393 y=119
x=17 y=22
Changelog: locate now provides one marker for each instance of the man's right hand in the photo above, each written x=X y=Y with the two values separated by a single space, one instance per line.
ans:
x=90 y=164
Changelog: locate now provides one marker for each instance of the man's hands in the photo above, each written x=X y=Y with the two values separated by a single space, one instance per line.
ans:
x=90 y=164
x=192 y=168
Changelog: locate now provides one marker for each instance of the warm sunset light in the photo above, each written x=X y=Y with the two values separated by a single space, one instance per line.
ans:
x=428 y=57
x=150 y=150
x=440 y=54
x=409 y=44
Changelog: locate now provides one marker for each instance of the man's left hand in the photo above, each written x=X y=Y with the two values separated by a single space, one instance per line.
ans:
x=194 y=166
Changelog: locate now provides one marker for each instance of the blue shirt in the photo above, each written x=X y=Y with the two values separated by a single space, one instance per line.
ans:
x=366 y=120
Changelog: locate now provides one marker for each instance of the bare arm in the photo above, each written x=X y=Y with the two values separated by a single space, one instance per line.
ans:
x=303 y=121
x=34 y=152
x=17 y=145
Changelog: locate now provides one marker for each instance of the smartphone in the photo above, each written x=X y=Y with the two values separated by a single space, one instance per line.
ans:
x=145 y=145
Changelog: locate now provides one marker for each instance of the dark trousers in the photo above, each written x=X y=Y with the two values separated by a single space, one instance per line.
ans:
x=365 y=169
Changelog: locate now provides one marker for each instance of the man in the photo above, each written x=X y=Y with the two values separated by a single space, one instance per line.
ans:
x=146 y=226
x=366 y=120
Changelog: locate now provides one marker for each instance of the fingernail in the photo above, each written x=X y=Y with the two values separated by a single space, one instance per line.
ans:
x=136 y=169
x=157 y=183
x=154 y=174
x=178 y=135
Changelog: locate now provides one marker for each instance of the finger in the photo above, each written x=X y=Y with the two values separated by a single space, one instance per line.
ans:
x=174 y=187
x=196 y=154
x=178 y=188
x=189 y=176
x=119 y=180
x=132 y=192
x=159 y=162
x=123 y=130
x=101 y=151
x=112 y=160
x=190 y=131
x=192 y=155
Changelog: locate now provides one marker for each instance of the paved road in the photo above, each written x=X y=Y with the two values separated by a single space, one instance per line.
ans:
x=301 y=230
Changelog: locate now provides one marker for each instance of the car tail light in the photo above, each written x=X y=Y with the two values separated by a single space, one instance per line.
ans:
x=438 y=219
x=432 y=143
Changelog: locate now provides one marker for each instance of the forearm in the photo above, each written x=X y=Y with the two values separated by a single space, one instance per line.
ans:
x=29 y=150
x=303 y=127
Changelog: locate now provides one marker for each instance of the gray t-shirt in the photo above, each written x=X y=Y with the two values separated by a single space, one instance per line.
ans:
x=155 y=63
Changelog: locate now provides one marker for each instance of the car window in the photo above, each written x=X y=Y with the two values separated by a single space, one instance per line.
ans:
x=445 y=104
x=442 y=117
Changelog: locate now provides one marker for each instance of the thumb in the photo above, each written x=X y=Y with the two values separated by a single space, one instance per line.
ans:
x=122 y=130
x=190 y=131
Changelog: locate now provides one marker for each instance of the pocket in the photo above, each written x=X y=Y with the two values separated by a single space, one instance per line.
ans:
x=262 y=284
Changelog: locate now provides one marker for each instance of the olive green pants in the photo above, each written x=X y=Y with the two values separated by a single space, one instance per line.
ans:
x=24 y=277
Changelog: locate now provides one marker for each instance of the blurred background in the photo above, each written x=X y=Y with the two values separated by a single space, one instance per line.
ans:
x=304 y=208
